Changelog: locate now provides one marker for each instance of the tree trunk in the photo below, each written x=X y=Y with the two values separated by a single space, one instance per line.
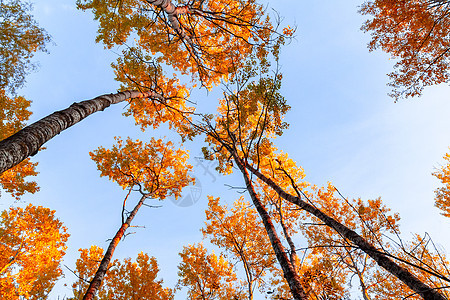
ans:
x=293 y=252
x=384 y=261
x=27 y=141
x=289 y=271
x=172 y=12
x=103 y=267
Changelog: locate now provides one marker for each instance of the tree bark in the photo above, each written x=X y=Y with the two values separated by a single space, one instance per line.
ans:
x=293 y=252
x=172 y=12
x=103 y=267
x=27 y=141
x=288 y=269
x=384 y=261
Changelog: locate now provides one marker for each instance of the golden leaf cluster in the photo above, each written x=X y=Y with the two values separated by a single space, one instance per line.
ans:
x=155 y=167
x=124 y=280
x=32 y=245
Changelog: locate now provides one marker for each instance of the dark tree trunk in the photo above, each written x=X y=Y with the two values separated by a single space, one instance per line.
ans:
x=289 y=271
x=103 y=267
x=383 y=260
x=27 y=141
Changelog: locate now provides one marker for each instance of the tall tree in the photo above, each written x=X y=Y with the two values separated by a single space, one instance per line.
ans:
x=155 y=170
x=32 y=245
x=246 y=121
x=416 y=32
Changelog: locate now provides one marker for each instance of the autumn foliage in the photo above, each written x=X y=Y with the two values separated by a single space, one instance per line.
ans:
x=20 y=39
x=294 y=239
x=204 y=39
x=125 y=280
x=443 y=193
x=32 y=245
x=415 y=32
x=156 y=167
x=14 y=112
x=207 y=276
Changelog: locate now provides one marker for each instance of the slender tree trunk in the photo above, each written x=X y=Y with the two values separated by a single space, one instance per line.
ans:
x=384 y=261
x=288 y=270
x=27 y=141
x=103 y=267
x=293 y=252
x=363 y=287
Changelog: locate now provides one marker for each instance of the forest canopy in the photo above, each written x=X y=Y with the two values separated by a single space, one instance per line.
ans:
x=247 y=157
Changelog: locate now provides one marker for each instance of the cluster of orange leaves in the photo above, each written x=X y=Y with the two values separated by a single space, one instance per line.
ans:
x=155 y=166
x=124 y=280
x=32 y=244
x=416 y=33
x=443 y=193
x=13 y=115
x=207 y=276
x=222 y=33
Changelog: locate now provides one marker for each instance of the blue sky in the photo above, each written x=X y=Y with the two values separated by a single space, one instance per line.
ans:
x=343 y=128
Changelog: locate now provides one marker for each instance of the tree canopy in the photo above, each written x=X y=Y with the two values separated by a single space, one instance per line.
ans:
x=417 y=34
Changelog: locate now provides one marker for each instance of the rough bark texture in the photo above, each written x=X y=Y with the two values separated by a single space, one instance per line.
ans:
x=384 y=261
x=100 y=274
x=172 y=12
x=289 y=272
x=27 y=141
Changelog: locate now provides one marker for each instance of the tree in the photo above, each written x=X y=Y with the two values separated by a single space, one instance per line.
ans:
x=126 y=280
x=383 y=259
x=32 y=245
x=154 y=169
x=443 y=193
x=415 y=32
x=207 y=276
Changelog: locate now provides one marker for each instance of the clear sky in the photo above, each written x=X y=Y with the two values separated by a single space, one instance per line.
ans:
x=343 y=128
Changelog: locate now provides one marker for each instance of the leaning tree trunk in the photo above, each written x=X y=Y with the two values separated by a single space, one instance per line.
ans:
x=27 y=141
x=290 y=274
x=426 y=292
x=103 y=267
